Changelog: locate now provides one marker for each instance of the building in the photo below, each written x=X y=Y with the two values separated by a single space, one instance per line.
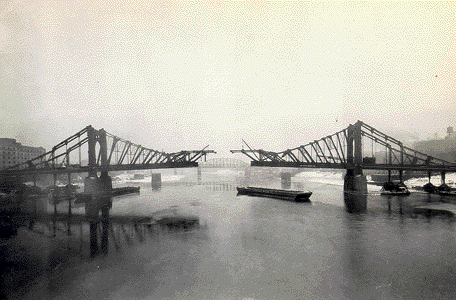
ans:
x=13 y=153
x=441 y=148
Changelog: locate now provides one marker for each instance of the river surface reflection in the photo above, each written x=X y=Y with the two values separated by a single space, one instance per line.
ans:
x=255 y=248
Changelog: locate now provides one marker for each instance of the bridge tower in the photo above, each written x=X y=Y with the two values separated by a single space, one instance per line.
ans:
x=354 y=179
x=93 y=183
x=98 y=187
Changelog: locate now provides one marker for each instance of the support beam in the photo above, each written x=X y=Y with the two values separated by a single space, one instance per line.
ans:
x=350 y=140
x=358 y=145
x=103 y=152
x=91 y=135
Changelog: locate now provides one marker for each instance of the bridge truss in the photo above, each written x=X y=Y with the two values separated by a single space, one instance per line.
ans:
x=92 y=151
x=359 y=146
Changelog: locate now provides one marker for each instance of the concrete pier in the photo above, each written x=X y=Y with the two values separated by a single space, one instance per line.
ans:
x=285 y=180
x=199 y=174
x=355 y=202
x=100 y=201
x=247 y=173
x=355 y=191
x=355 y=182
x=156 y=181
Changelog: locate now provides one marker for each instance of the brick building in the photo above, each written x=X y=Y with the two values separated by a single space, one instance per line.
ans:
x=13 y=153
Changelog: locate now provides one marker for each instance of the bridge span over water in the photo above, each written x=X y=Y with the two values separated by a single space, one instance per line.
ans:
x=92 y=151
x=355 y=148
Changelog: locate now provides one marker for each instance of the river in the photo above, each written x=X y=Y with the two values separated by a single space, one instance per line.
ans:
x=246 y=248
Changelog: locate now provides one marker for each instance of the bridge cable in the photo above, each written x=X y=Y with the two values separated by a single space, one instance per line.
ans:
x=372 y=147
x=79 y=142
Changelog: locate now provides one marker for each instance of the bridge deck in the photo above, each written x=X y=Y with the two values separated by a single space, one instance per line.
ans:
x=384 y=167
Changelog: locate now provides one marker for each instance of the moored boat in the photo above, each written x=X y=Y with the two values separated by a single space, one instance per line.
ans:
x=392 y=189
x=403 y=192
x=298 y=196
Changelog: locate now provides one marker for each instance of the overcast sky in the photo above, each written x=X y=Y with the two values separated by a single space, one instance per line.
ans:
x=176 y=75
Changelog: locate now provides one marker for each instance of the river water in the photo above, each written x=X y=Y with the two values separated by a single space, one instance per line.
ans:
x=246 y=248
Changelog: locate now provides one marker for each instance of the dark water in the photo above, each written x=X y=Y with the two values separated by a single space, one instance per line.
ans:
x=246 y=248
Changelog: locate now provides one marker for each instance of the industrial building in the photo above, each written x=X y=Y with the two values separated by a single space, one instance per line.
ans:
x=441 y=148
x=13 y=153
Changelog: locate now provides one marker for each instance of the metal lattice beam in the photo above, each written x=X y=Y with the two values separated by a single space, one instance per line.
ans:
x=101 y=154
x=344 y=150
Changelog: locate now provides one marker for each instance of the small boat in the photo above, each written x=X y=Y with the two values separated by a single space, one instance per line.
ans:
x=398 y=191
x=393 y=189
x=298 y=196
x=429 y=188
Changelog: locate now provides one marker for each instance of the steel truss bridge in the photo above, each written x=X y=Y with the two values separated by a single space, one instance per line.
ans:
x=92 y=151
x=357 y=147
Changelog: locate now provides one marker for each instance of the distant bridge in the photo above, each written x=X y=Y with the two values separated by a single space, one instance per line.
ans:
x=229 y=163
x=105 y=152
x=353 y=148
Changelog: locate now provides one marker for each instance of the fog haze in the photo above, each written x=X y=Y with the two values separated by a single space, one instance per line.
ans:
x=184 y=74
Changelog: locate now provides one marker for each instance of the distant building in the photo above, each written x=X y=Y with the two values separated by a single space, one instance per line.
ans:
x=13 y=153
x=450 y=133
x=441 y=148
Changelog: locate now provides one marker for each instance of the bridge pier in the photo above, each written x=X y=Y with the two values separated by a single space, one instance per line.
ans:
x=355 y=202
x=355 y=181
x=247 y=173
x=286 y=180
x=98 y=187
x=156 y=181
x=355 y=191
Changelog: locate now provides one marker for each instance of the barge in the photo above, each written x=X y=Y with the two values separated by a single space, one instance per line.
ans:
x=298 y=196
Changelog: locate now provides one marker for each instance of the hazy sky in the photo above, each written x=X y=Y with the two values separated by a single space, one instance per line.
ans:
x=179 y=75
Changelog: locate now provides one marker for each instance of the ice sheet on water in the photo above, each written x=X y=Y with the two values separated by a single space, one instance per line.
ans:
x=147 y=179
x=324 y=177
x=226 y=172
x=320 y=174
x=450 y=179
